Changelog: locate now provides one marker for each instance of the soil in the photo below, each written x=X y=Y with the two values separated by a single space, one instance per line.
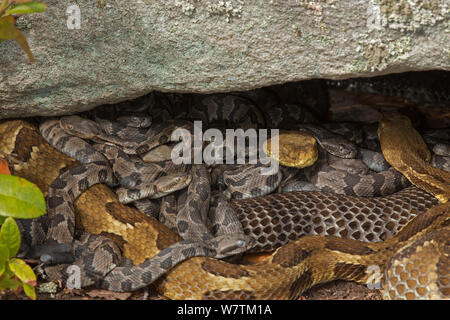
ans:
x=335 y=290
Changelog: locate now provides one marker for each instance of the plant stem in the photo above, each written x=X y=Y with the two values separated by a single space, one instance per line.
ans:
x=4 y=6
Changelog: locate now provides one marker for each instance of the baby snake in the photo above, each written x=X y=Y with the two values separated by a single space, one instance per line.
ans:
x=289 y=271
x=323 y=174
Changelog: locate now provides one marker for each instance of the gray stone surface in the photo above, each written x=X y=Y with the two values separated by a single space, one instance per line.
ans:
x=127 y=48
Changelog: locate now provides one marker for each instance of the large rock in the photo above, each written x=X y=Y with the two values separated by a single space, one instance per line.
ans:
x=128 y=48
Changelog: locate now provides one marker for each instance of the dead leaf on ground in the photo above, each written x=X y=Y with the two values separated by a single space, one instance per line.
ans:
x=4 y=169
x=109 y=295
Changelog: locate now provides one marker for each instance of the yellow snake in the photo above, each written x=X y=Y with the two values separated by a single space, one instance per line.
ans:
x=297 y=149
x=285 y=274
x=405 y=150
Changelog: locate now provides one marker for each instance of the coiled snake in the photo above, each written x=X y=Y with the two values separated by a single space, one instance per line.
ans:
x=290 y=270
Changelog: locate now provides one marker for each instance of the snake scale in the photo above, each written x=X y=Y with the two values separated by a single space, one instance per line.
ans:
x=412 y=160
x=290 y=270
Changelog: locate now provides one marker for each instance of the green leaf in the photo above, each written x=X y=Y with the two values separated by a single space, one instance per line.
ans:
x=8 y=273
x=2 y=220
x=22 y=271
x=20 y=198
x=10 y=236
x=9 y=283
x=8 y=29
x=29 y=291
x=22 y=41
x=29 y=7
x=4 y=256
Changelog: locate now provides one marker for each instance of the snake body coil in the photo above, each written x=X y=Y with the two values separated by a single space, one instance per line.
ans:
x=289 y=271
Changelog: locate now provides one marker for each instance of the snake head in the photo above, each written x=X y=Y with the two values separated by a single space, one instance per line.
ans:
x=135 y=120
x=393 y=118
x=158 y=154
x=171 y=183
x=230 y=244
x=352 y=166
x=81 y=127
x=341 y=148
x=52 y=253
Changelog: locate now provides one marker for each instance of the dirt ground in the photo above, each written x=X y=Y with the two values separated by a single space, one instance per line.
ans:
x=336 y=290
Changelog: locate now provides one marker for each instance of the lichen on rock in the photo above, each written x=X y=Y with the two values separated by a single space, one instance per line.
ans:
x=411 y=15
x=125 y=49
x=379 y=54
x=228 y=9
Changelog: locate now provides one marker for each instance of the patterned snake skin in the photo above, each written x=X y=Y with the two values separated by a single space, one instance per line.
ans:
x=243 y=182
x=412 y=160
x=191 y=220
x=419 y=87
x=346 y=175
x=289 y=271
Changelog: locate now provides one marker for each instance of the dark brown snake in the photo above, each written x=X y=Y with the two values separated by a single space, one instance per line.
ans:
x=290 y=270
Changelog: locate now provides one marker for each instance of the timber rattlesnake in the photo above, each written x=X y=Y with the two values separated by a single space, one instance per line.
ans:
x=289 y=271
